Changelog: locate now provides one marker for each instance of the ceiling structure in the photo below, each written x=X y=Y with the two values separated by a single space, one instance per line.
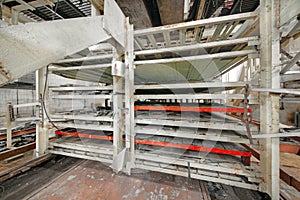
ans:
x=142 y=13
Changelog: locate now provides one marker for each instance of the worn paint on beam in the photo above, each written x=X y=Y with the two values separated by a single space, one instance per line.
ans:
x=137 y=13
x=171 y=11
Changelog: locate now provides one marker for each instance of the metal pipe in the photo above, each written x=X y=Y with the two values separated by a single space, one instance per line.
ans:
x=199 y=57
x=198 y=23
x=99 y=66
x=83 y=59
x=197 y=46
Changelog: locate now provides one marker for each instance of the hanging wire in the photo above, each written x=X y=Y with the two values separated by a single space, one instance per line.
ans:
x=43 y=99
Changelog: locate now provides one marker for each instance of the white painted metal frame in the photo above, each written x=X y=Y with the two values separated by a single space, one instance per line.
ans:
x=269 y=140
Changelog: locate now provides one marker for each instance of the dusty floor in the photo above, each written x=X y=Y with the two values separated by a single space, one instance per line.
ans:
x=70 y=178
x=18 y=187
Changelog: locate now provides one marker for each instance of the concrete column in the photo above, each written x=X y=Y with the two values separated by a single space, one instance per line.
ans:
x=129 y=95
x=269 y=104
x=14 y=17
x=118 y=117
x=8 y=126
x=42 y=131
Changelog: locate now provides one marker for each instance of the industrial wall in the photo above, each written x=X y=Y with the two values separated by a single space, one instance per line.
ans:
x=16 y=96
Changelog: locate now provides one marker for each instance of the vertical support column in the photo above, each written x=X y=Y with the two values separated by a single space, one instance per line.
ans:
x=269 y=105
x=42 y=125
x=129 y=95
x=94 y=11
x=14 y=17
x=117 y=108
x=9 y=113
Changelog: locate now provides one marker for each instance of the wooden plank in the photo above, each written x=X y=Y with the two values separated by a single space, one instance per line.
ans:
x=24 y=167
x=200 y=10
x=137 y=13
x=16 y=151
x=98 y=4
x=171 y=11
x=13 y=158
x=290 y=160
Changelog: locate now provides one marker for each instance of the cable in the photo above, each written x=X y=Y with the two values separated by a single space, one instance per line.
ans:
x=43 y=100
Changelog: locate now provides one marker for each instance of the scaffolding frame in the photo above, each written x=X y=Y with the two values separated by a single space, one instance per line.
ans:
x=234 y=30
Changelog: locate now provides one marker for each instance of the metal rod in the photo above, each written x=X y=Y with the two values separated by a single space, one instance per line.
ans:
x=199 y=57
x=197 y=46
x=192 y=24
x=83 y=59
x=99 y=66
x=291 y=63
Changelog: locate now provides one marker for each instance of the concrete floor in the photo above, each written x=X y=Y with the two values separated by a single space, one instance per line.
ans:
x=70 y=178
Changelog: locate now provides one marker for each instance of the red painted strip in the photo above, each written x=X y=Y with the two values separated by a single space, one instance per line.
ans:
x=191 y=109
x=163 y=144
x=84 y=135
x=194 y=148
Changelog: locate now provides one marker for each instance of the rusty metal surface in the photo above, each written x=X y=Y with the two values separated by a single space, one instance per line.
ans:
x=92 y=180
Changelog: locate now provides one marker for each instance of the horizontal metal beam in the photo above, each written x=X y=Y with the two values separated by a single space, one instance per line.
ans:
x=191 y=24
x=290 y=100
x=27 y=119
x=87 y=148
x=82 y=156
x=197 y=124
x=77 y=96
x=83 y=118
x=277 y=91
x=83 y=59
x=289 y=77
x=196 y=46
x=198 y=57
x=27 y=105
x=80 y=88
x=82 y=67
x=200 y=177
x=192 y=135
x=194 y=96
x=237 y=170
x=85 y=126
x=277 y=135
x=191 y=85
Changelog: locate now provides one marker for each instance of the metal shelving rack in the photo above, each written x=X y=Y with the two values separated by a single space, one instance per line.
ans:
x=235 y=38
x=232 y=35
